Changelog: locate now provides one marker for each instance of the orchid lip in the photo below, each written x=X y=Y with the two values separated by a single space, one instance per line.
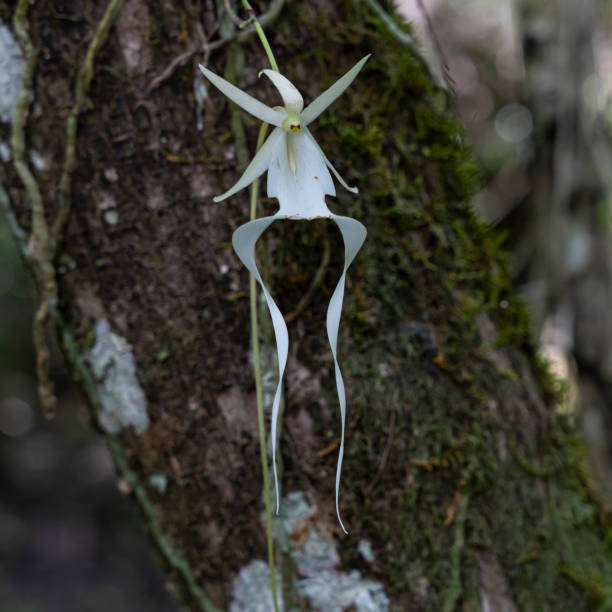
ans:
x=299 y=177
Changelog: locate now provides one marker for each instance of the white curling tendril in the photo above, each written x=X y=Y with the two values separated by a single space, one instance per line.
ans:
x=298 y=176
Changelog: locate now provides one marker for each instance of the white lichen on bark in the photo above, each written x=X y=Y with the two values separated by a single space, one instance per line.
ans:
x=122 y=400
x=11 y=73
x=315 y=559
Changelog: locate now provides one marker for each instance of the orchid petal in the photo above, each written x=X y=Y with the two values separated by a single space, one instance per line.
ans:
x=329 y=164
x=244 y=100
x=259 y=164
x=300 y=190
x=292 y=98
x=243 y=241
x=353 y=234
x=330 y=95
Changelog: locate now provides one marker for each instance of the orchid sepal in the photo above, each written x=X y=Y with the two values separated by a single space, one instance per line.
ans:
x=259 y=164
x=244 y=100
x=332 y=93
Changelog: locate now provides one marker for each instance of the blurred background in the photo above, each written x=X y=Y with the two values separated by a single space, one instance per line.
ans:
x=532 y=82
x=70 y=539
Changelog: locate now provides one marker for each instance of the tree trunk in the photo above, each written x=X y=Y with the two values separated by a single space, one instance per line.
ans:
x=462 y=488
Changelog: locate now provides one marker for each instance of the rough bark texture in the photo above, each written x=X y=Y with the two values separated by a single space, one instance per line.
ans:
x=470 y=491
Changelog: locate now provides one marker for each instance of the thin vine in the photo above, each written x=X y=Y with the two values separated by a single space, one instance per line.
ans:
x=39 y=242
x=73 y=354
x=43 y=243
x=81 y=89
x=255 y=332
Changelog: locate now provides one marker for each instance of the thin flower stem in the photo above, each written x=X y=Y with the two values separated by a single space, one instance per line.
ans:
x=255 y=329
x=258 y=390
x=262 y=35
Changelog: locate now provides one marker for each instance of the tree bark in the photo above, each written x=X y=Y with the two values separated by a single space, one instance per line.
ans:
x=462 y=488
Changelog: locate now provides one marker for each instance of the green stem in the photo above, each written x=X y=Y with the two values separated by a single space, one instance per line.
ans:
x=40 y=239
x=258 y=390
x=255 y=329
x=262 y=35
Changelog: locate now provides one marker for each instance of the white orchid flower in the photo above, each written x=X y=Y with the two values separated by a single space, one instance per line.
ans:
x=298 y=176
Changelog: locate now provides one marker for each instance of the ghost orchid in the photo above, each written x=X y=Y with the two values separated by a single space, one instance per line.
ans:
x=299 y=178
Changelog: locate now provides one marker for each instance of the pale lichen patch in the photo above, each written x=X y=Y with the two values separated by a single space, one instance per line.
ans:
x=252 y=589
x=11 y=73
x=315 y=559
x=123 y=402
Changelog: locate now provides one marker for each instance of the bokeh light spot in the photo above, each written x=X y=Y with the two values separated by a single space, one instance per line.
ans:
x=16 y=417
x=513 y=123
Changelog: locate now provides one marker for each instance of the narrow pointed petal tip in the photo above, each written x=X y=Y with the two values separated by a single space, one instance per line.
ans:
x=244 y=100
x=331 y=94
